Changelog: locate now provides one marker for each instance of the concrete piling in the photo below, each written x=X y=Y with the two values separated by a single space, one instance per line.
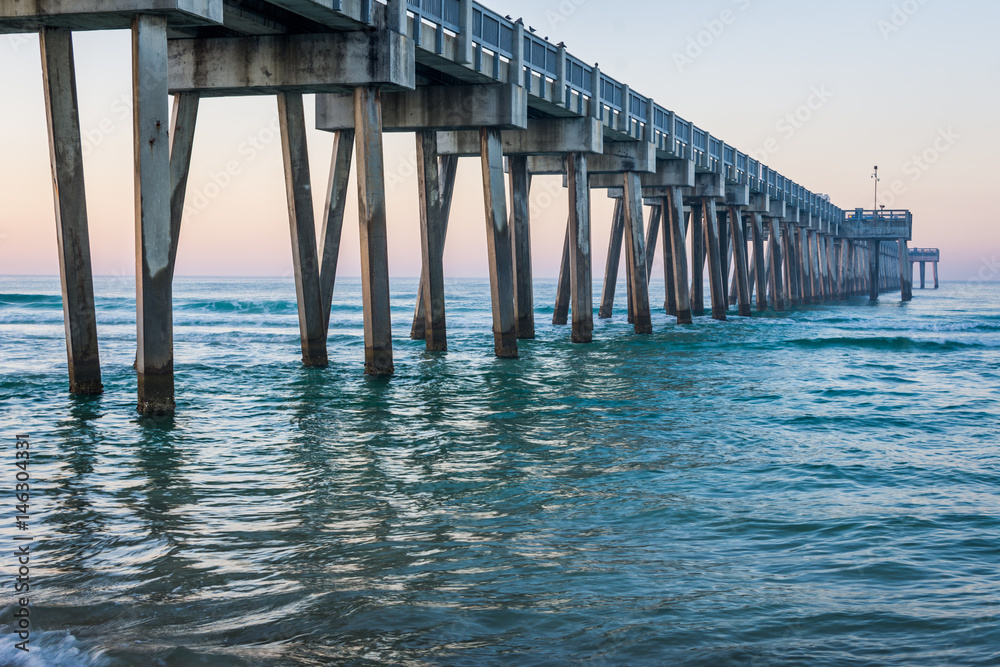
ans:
x=636 y=255
x=697 y=231
x=374 y=242
x=614 y=257
x=72 y=232
x=579 y=247
x=305 y=258
x=520 y=228
x=499 y=244
x=333 y=220
x=154 y=291
x=775 y=266
x=432 y=236
x=740 y=263
x=560 y=313
x=716 y=284
x=678 y=249
x=759 y=261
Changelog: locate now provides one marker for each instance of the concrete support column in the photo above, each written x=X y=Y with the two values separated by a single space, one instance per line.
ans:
x=636 y=254
x=819 y=253
x=678 y=251
x=740 y=257
x=374 y=241
x=936 y=285
x=432 y=236
x=874 y=269
x=669 y=284
x=905 y=274
x=697 y=231
x=447 y=168
x=520 y=227
x=302 y=225
x=579 y=243
x=776 y=265
x=154 y=292
x=923 y=275
x=652 y=236
x=499 y=244
x=560 y=314
x=333 y=221
x=182 y=126
x=801 y=259
x=716 y=283
x=72 y=233
x=614 y=257
x=831 y=270
x=759 y=261
x=794 y=281
x=725 y=247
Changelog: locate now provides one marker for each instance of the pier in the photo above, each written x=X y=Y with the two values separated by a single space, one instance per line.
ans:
x=923 y=256
x=466 y=81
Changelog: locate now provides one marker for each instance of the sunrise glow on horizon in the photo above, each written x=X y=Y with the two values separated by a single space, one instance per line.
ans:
x=820 y=93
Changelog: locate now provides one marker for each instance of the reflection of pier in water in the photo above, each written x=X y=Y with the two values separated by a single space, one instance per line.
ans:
x=467 y=82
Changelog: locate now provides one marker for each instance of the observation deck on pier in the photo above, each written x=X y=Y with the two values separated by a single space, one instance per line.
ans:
x=468 y=82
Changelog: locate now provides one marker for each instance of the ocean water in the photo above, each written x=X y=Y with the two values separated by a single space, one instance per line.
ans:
x=820 y=487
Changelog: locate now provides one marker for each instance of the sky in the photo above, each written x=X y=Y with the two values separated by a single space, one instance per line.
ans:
x=819 y=91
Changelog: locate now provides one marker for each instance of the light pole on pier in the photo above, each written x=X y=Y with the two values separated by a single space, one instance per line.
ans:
x=875 y=176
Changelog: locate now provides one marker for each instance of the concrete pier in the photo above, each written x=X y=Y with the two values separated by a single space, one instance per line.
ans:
x=923 y=256
x=467 y=82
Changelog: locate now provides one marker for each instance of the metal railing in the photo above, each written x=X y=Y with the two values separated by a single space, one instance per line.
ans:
x=619 y=107
x=862 y=215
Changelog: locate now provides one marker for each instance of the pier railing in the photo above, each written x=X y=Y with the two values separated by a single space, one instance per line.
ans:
x=553 y=75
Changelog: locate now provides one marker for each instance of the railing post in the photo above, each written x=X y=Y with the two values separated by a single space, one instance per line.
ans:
x=516 y=75
x=596 y=105
x=396 y=16
x=650 y=134
x=465 y=46
x=625 y=119
x=562 y=95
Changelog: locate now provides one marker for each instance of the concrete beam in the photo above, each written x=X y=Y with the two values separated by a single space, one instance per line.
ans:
x=776 y=209
x=433 y=108
x=708 y=185
x=636 y=157
x=668 y=174
x=737 y=195
x=322 y=63
x=759 y=203
x=31 y=15
x=550 y=136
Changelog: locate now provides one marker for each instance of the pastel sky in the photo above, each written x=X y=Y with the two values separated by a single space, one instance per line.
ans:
x=821 y=91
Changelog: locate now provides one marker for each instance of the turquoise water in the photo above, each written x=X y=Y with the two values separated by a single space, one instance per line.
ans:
x=816 y=488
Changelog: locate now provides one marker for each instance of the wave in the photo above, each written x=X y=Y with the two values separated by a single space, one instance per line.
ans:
x=43 y=300
x=887 y=343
